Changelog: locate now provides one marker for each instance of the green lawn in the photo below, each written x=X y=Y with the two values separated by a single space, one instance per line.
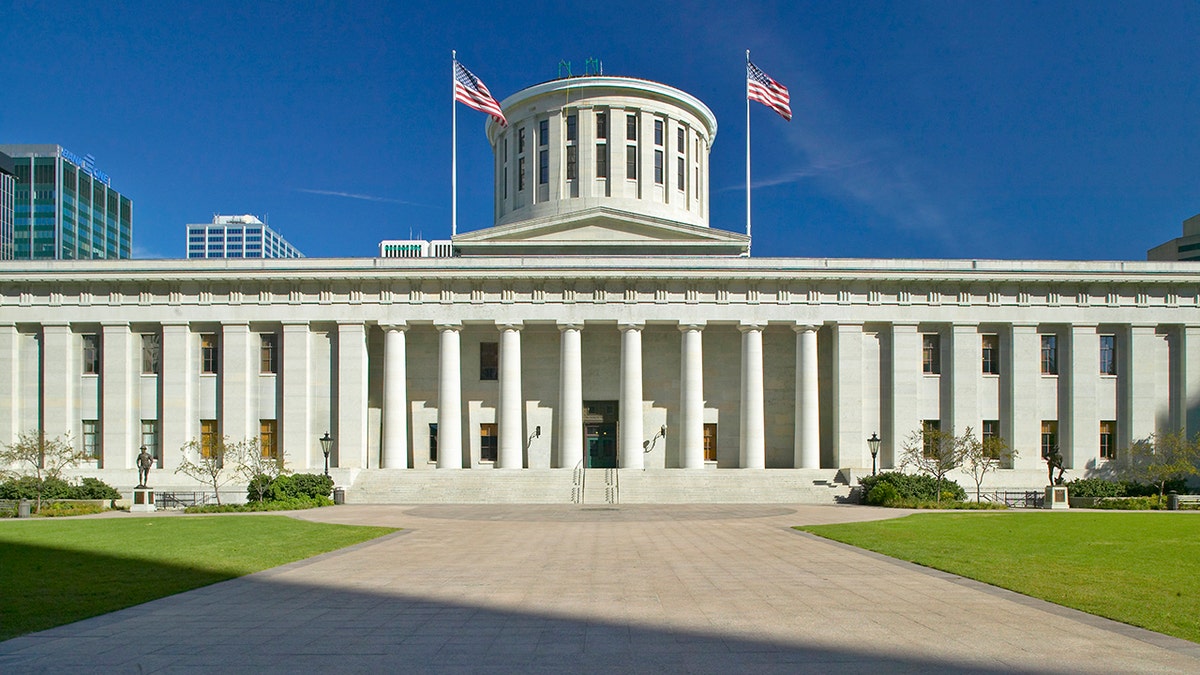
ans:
x=1138 y=568
x=54 y=572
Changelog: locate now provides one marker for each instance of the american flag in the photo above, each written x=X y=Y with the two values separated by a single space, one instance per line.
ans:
x=760 y=87
x=471 y=91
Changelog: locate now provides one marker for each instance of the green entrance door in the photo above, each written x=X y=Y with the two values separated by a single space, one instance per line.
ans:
x=600 y=434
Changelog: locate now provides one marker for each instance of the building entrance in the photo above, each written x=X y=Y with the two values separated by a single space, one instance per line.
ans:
x=600 y=434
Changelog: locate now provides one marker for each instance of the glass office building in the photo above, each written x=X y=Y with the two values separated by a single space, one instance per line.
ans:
x=237 y=237
x=7 y=190
x=64 y=207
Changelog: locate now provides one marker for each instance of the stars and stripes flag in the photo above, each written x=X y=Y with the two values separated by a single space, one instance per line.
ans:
x=760 y=87
x=472 y=92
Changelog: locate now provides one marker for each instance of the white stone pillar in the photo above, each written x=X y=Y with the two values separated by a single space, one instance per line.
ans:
x=449 y=416
x=630 y=404
x=1136 y=394
x=179 y=375
x=1078 y=425
x=966 y=368
x=849 y=439
x=350 y=440
x=808 y=411
x=237 y=417
x=300 y=448
x=509 y=450
x=1021 y=373
x=59 y=381
x=117 y=415
x=906 y=376
x=1189 y=371
x=394 y=454
x=752 y=447
x=10 y=384
x=691 y=404
x=570 y=396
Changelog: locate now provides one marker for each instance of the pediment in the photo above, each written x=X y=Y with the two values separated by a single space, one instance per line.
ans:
x=600 y=231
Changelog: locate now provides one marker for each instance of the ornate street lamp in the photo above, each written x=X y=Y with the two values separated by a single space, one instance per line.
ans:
x=873 y=443
x=326 y=446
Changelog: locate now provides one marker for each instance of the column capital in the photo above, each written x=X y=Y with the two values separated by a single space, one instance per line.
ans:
x=447 y=326
x=114 y=324
x=227 y=325
x=965 y=325
x=509 y=325
x=568 y=325
x=388 y=326
x=624 y=326
x=294 y=324
x=805 y=327
x=748 y=327
x=692 y=325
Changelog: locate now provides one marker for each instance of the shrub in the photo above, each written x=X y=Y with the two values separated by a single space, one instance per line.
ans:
x=915 y=487
x=259 y=488
x=26 y=487
x=300 y=485
x=1149 y=503
x=57 y=509
x=1095 y=487
x=292 y=504
x=94 y=488
x=883 y=494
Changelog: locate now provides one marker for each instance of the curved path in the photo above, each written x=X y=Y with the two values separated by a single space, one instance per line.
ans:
x=708 y=588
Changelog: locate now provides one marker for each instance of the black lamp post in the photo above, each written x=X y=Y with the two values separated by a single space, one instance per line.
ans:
x=873 y=443
x=326 y=446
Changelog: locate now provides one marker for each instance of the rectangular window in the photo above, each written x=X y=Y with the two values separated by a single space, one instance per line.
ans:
x=679 y=142
x=1108 y=354
x=601 y=160
x=433 y=435
x=572 y=128
x=658 y=132
x=208 y=353
x=150 y=440
x=543 y=133
x=991 y=354
x=1049 y=437
x=487 y=442
x=710 y=442
x=91 y=438
x=658 y=167
x=1049 y=355
x=572 y=162
x=267 y=359
x=268 y=439
x=680 y=172
x=931 y=353
x=489 y=360
x=631 y=162
x=601 y=125
x=520 y=140
x=990 y=430
x=929 y=437
x=1108 y=439
x=208 y=438
x=631 y=127
x=543 y=167
x=91 y=354
x=520 y=174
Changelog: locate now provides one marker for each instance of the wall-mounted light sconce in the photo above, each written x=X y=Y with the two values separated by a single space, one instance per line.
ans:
x=647 y=446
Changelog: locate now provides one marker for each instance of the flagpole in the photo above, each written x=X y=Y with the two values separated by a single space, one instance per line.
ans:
x=748 y=240
x=453 y=148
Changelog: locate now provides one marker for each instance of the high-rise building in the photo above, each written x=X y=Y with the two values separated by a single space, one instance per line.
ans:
x=64 y=207
x=415 y=248
x=1184 y=249
x=237 y=237
x=7 y=189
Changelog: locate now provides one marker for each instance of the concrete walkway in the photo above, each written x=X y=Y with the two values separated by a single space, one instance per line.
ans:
x=721 y=589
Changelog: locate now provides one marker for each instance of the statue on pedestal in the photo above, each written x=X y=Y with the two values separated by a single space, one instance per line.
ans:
x=1054 y=460
x=144 y=461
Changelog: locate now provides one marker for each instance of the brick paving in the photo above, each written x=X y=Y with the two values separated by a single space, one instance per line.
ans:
x=704 y=588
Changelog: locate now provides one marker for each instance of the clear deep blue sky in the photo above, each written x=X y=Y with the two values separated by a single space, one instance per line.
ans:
x=935 y=129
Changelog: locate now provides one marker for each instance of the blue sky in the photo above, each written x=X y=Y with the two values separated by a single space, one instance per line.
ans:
x=921 y=129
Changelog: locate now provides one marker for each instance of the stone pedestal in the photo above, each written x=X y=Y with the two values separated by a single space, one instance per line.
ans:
x=143 y=500
x=1056 y=497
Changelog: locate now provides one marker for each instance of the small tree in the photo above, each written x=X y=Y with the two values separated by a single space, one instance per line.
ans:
x=1160 y=458
x=259 y=470
x=215 y=463
x=935 y=452
x=35 y=455
x=981 y=457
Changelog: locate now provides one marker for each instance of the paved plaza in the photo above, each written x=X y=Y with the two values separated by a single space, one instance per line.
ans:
x=500 y=589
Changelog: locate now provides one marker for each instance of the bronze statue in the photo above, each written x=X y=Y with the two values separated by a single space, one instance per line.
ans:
x=144 y=462
x=1054 y=460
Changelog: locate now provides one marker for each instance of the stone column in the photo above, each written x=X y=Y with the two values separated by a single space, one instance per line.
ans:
x=1078 y=426
x=1135 y=394
x=59 y=378
x=570 y=396
x=752 y=437
x=691 y=404
x=300 y=448
x=117 y=414
x=1189 y=371
x=509 y=450
x=1021 y=373
x=394 y=454
x=237 y=418
x=449 y=416
x=10 y=384
x=630 y=405
x=351 y=439
x=966 y=368
x=906 y=376
x=849 y=440
x=808 y=411
x=179 y=374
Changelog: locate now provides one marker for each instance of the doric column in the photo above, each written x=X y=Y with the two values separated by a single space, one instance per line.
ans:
x=906 y=375
x=752 y=438
x=116 y=385
x=1136 y=373
x=300 y=448
x=350 y=440
x=1021 y=376
x=691 y=403
x=59 y=375
x=1078 y=426
x=394 y=454
x=449 y=416
x=1189 y=380
x=237 y=418
x=570 y=396
x=10 y=384
x=808 y=412
x=630 y=404
x=179 y=373
x=509 y=451
x=850 y=443
x=966 y=368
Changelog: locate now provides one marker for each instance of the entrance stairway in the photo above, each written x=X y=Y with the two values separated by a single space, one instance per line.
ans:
x=625 y=486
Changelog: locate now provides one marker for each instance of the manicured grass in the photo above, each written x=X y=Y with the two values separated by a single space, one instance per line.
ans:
x=55 y=572
x=1138 y=568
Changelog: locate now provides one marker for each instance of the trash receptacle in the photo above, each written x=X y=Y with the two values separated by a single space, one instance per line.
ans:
x=339 y=495
x=23 y=508
x=1172 y=501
